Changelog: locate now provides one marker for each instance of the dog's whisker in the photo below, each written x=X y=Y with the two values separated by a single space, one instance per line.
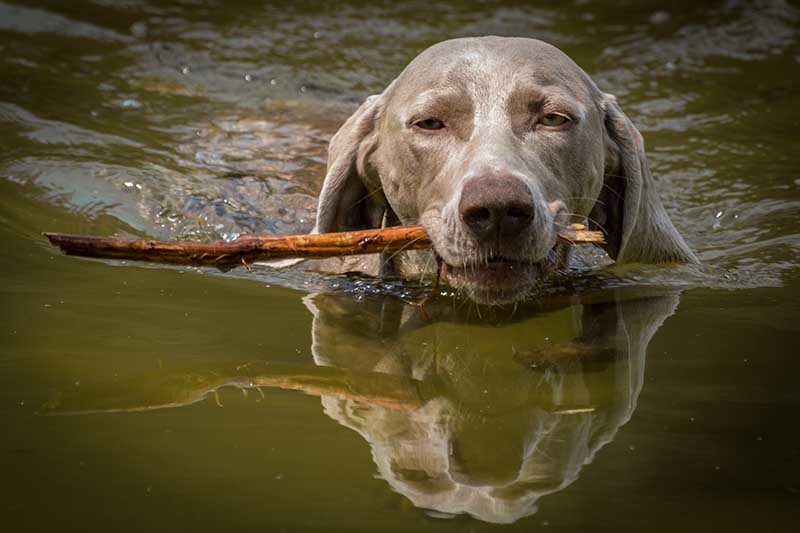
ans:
x=585 y=198
x=402 y=248
x=425 y=268
x=367 y=196
x=615 y=193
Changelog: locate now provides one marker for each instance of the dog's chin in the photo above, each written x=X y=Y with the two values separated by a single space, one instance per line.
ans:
x=499 y=280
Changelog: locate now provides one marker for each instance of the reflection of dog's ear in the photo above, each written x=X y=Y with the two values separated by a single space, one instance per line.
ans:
x=636 y=319
x=640 y=318
x=352 y=333
x=629 y=208
x=345 y=203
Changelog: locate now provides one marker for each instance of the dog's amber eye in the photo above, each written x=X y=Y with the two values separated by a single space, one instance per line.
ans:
x=553 y=119
x=430 y=124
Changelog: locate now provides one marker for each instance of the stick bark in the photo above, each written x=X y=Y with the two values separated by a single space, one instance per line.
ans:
x=248 y=249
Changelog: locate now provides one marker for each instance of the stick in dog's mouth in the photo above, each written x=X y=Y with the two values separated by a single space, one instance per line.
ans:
x=250 y=248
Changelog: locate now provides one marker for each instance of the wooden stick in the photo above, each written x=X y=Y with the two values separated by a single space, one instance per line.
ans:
x=247 y=249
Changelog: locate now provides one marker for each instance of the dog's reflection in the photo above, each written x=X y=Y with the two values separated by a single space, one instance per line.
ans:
x=466 y=411
x=508 y=411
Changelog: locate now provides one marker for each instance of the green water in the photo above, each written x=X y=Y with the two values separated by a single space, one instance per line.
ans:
x=142 y=398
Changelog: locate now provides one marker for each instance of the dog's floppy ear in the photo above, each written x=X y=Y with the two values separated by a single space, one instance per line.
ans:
x=345 y=203
x=629 y=208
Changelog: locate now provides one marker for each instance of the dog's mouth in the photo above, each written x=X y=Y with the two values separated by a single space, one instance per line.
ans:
x=497 y=278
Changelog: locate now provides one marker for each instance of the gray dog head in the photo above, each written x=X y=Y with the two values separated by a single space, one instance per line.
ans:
x=493 y=144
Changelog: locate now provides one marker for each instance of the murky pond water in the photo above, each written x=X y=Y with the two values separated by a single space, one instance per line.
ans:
x=139 y=397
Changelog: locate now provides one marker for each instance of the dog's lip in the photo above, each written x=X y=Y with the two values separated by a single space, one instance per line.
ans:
x=492 y=263
x=495 y=272
x=498 y=261
x=501 y=280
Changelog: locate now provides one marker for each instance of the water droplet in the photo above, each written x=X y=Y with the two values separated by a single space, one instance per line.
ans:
x=131 y=103
x=248 y=77
x=139 y=29
x=660 y=17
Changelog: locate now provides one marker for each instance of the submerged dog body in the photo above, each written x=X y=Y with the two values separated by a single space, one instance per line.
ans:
x=492 y=144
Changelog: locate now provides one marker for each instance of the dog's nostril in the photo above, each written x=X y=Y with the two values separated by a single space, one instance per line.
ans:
x=517 y=212
x=516 y=219
x=477 y=216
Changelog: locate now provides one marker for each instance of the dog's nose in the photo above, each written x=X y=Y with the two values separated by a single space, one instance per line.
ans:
x=496 y=206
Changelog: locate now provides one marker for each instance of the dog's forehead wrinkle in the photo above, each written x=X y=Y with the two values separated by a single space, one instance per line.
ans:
x=434 y=95
x=547 y=98
x=487 y=66
x=432 y=76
